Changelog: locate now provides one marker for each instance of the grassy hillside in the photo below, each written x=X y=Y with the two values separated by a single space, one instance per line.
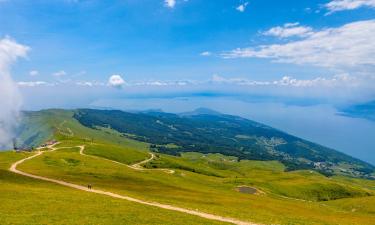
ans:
x=125 y=155
x=268 y=176
x=29 y=201
x=229 y=135
x=190 y=190
x=205 y=182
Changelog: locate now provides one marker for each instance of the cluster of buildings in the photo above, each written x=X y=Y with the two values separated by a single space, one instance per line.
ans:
x=323 y=165
x=48 y=143
x=24 y=148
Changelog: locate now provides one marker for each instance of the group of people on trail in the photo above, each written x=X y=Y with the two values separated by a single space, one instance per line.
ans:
x=89 y=186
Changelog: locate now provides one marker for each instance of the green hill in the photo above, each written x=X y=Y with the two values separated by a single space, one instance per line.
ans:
x=208 y=182
x=225 y=134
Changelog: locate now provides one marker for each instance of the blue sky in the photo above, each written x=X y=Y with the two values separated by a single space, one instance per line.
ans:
x=146 y=40
x=290 y=64
x=311 y=51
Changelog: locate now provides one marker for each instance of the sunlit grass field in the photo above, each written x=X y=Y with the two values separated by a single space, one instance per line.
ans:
x=192 y=190
x=29 y=201
x=120 y=154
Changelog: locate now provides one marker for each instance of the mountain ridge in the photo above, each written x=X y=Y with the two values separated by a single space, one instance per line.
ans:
x=226 y=134
x=208 y=131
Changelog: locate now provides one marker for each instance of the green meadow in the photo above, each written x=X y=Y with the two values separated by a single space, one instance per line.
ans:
x=29 y=201
x=203 y=182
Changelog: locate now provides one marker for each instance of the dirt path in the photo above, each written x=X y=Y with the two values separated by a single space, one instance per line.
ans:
x=14 y=169
x=137 y=166
x=62 y=132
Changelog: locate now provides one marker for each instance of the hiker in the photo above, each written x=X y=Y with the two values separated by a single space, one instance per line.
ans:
x=89 y=186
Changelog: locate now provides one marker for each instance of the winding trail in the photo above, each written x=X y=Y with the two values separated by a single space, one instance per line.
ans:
x=62 y=132
x=136 y=166
x=14 y=169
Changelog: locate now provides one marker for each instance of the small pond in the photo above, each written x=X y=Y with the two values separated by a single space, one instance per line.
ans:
x=247 y=190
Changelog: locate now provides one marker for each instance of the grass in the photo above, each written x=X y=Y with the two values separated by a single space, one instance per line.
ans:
x=266 y=175
x=204 y=182
x=125 y=155
x=190 y=190
x=29 y=201
x=364 y=206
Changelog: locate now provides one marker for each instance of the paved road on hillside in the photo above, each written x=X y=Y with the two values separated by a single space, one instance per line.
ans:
x=14 y=169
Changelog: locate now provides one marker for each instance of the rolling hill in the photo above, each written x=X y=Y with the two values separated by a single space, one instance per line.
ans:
x=135 y=182
x=210 y=132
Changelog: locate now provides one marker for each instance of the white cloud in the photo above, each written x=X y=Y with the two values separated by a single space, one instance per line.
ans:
x=33 y=83
x=10 y=50
x=164 y=83
x=242 y=7
x=236 y=81
x=85 y=83
x=340 y=80
x=337 y=80
x=116 y=81
x=350 y=45
x=34 y=73
x=341 y=5
x=170 y=3
x=59 y=73
x=90 y=83
x=10 y=98
x=289 y=30
x=206 y=53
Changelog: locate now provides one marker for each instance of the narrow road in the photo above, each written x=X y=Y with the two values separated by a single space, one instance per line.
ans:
x=60 y=128
x=137 y=166
x=14 y=169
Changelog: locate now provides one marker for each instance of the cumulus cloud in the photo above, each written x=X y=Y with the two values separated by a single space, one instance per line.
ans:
x=10 y=98
x=341 y=5
x=170 y=3
x=350 y=45
x=242 y=7
x=289 y=30
x=206 y=53
x=116 y=81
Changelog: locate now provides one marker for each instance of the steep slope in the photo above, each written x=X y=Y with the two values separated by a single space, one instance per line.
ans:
x=229 y=135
